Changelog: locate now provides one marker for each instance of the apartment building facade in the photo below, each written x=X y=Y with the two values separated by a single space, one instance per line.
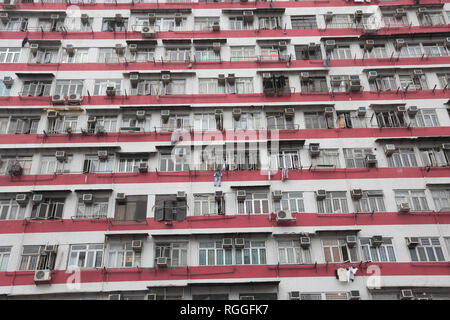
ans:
x=327 y=120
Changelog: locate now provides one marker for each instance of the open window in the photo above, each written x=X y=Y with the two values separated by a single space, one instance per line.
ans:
x=169 y=208
x=134 y=208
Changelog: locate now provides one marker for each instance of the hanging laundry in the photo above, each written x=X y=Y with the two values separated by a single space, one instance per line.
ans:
x=284 y=174
x=342 y=274
x=352 y=272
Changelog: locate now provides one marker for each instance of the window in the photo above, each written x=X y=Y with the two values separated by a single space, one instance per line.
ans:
x=169 y=24
x=178 y=54
x=390 y=20
x=431 y=19
x=273 y=22
x=173 y=162
x=290 y=252
x=341 y=52
x=122 y=255
x=97 y=209
x=92 y=164
x=356 y=157
x=168 y=208
x=130 y=164
x=327 y=158
x=67 y=87
x=205 y=122
x=62 y=123
x=32 y=260
x=10 y=209
x=4 y=90
x=304 y=52
x=428 y=250
x=382 y=253
x=315 y=120
x=206 y=55
x=383 y=83
x=378 y=52
x=45 y=55
x=239 y=159
x=303 y=22
x=110 y=25
x=177 y=121
x=444 y=80
x=248 y=121
x=36 y=88
x=241 y=86
x=19 y=124
x=350 y=119
x=254 y=203
x=340 y=21
x=204 y=23
x=49 y=208
x=272 y=53
x=338 y=251
x=438 y=49
x=411 y=82
x=403 y=157
x=80 y=55
x=86 y=256
x=143 y=55
x=5 y=253
x=134 y=209
x=206 y=204
x=101 y=85
x=50 y=165
x=289 y=159
x=8 y=162
x=254 y=252
x=335 y=202
x=433 y=157
x=238 y=23
x=441 y=199
x=292 y=201
x=426 y=118
x=278 y=121
x=107 y=123
x=15 y=24
x=50 y=25
x=175 y=252
x=212 y=254
x=9 y=55
x=314 y=84
x=371 y=201
x=108 y=55
x=391 y=119
x=415 y=198
x=130 y=121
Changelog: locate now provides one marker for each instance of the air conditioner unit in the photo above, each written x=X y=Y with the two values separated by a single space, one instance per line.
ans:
x=218 y=113
x=404 y=207
x=152 y=17
x=237 y=113
x=412 y=242
x=328 y=112
x=51 y=248
x=401 y=109
x=150 y=296
x=84 y=18
x=54 y=16
x=221 y=79
x=284 y=215
x=143 y=167
x=75 y=98
x=102 y=154
x=372 y=75
x=418 y=72
x=119 y=17
x=421 y=11
x=70 y=49
x=8 y=81
x=330 y=45
x=389 y=149
x=34 y=48
x=446 y=146
x=137 y=245
x=336 y=80
x=350 y=240
x=227 y=243
x=22 y=199
x=60 y=155
x=165 y=78
x=148 y=32
x=140 y=114
x=400 y=12
x=133 y=47
x=231 y=78
x=134 y=79
x=399 y=43
x=354 y=295
x=218 y=195
x=406 y=294
x=241 y=194
x=304 y=75
x=42 y=276
x=161 y=262
x=412 y=110
x=362 y=111
x=267 y=75
x=371 y=160
x=114 y=296
x=58 y=99
x=356 y=194
x=314 y=150
x=368 y=45
x=313 y=46
x=216 y=46
x=294 y=295
x=282 y=44
x=376 y=241
x=178 y=18
x=37 y=198
x=370 y=28
x=88 y=198
x=110 y=91
x=216 y=26
x=52 y=114
x=121 y=197
x=248 y=16
x=181 y=195
x=358 y=14
x=165 y=114
x=239 y=242
x=305 y=242
x=289 y=113
x=277 y=194
x=321 y=194
x=355 y=86
x=328 y=16
x=92 y=119
x=4 y=17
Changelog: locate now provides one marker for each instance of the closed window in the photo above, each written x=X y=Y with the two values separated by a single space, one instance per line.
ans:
x=172 y=162
x=175 y=252
x=106 y=123
x=426 y=118
x=10 y=164
x=254 y=252
x=254 y=203
x=130 y=164
x=50 y=165
x=130 y=121
x=428 y=250
x=248 y=121
x=101 y=85
x=303 y=22
x=9 y=55
x=62 y=123
x=212 y=254
x=122 y=255
x=335 y=202
x=371 y=201
x=19 y=125
x=10 y=209
x=97 y=209
x=178 y=54
x=326 y=158
x=410 y=82
x=205 y=204
x=292 y=201
x=80 y=55
x=356 y=157
x=238 y=23
x=290 y=252
x=277 y=120
x=383 y=83
x=381 y=253
x=378 y=52
x=92 y=164
x=67 y=87
x=289 y=159
x=205 y=23
x=341 y=52
x=5 y=253
x=133 y=209
x=86 y=256
x=441 y=199
x=415 y=198
x=403 y=157
x=205 y=122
